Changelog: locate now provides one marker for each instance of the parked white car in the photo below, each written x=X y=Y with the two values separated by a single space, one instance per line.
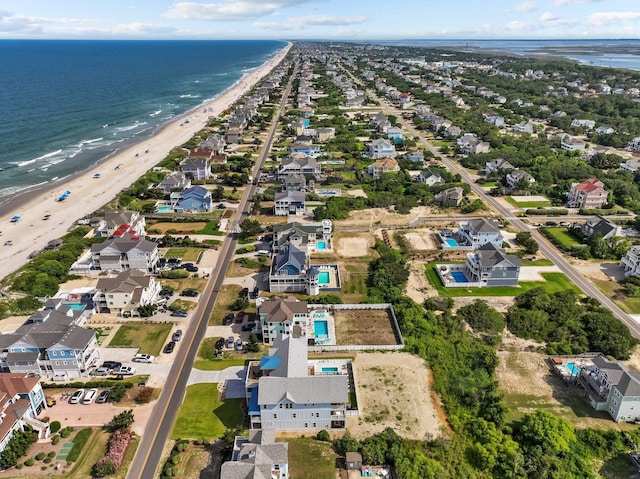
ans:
x=90 y=396
x=144 y=358
x=125 y=371
x=76 y=396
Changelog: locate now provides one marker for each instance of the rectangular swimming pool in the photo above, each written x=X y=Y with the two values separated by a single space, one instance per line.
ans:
x=459 y=277
x=573 y=369
x=451 y=242
x=330 y=370
x=322 y=245
x=76 y=306
x=164 y=209
x=320 y=329
x=323 y=277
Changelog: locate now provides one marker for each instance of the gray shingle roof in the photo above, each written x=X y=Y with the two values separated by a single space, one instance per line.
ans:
x=292 y=352
x=490 y=255
x=307 y=390
x=279 y=310
x=292 y=256
x=481 y=225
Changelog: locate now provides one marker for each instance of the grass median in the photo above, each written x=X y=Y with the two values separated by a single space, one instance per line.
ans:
x=149 y=337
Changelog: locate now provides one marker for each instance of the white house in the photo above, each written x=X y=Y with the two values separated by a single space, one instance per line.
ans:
x=381 y=148
x=127 y=291
x=516 y=176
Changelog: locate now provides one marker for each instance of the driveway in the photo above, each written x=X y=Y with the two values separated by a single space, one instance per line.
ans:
x=232 y=378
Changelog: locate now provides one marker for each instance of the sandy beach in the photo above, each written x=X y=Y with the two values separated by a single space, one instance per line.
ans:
x=88 y=194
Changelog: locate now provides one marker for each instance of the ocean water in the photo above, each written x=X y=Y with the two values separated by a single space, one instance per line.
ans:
x=67 y=104
x=603 y=53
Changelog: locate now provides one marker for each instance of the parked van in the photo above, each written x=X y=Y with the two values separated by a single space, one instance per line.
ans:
x=264 y=252
x=90 y=396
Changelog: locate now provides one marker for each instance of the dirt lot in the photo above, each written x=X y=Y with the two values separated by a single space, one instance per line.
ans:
x=355 y=193
x=393 y=391
x=366 y=327
x=354 y=247
x=422 y=240
x=418 y=288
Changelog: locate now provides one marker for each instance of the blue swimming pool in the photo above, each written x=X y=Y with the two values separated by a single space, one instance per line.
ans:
x=573 y=369
x=459 y=277
x=76 y=306
x=323 y=277
x=451 y=242
x=164 y=209
x=322 y=245
x=320 y=329
x=330 y=370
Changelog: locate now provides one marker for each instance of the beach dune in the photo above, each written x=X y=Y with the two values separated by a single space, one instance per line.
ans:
x=88 y=193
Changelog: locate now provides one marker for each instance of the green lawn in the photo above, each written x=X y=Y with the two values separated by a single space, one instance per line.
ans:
x=526 y=204
x=186 y=254
x=560 y=237
x=537 y=262
x=611 y=289
x=150 y=337
x=311 y=459
x=211 y=228
x=553 y=283
x=202 y=414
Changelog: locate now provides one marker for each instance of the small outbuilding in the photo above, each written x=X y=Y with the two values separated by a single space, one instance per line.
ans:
x=353 y=460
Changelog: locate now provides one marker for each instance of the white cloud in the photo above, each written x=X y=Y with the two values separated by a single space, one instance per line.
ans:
x=548 y=19
x=562 y=3
x=524 y=7
x=230 y=11
x=328 y=20
x=599 y=19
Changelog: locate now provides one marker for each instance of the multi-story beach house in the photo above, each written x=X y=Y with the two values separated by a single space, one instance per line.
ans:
x=611 y=387
x=176 y=181
x=307 y=237
x=450 y=197
x=497 y=165
x=257 y=456
x=599 y=225
x=515 y=177
x=127 y=291
x=381 y=148
x=51 y=344
x=380 y=167
x=282 y=395
x=295 y=182
x=21 y=400
x=200 y=168
x=298 y=165
x=280 y=316
x=117 y=223
x=306 y=149
x=290 y=273
x=570 y=143
x=429 y=177
x=631 y=262
x=120 y=254
x=634 y=145
x=491 y=266
x=588 y=194
x=478 y=232
x=289 y=203
x=195 y=199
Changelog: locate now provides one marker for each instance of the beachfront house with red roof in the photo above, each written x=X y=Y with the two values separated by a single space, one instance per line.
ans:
x=385 y=165
x=588 y=194
x=21 y=400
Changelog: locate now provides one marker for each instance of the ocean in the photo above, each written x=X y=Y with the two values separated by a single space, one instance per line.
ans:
x=67 y=104
x=603 y=53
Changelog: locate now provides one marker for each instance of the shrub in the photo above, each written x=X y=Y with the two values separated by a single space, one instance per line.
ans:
x=117 y=392
x=47 y=460
x=51 y=454
x=55 y=439
x=176 y=459
x=40 y=456
x=16 y=448
x=323 y=436
x=122 y=420
x=19 y=466
x=181 y=447
x=55 y=426
x=43 y=468
x=29 y=462
x=66 y=432
x=144 y=396
x=103 y=468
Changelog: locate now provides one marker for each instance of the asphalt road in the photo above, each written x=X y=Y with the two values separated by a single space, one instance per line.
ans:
x=150 y=452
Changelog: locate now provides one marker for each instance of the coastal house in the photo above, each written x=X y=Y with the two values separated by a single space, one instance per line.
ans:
x=289 y=203
x=470 y=144
x=215 y=143
x=631 y=262
x=294 y=182
x=587 y=194
x=523 y=127
x=599 y=225
x=257 y=456
x=586 y=124
x=52 y=344
x=199 y=168
x=518 y=177
x=429 y=177
x=127 y=291
x=415 y=156
x=283 y=394
x=453 y=132
x=117 y=223
x=325 y=134
x=478 y=232
x=306 y=149
x=491 y=266
x=175 y=181
x=631 y=166
x=605 y=130
x=634 y=145
x=495 y=120
x=298 y=164
x=611 y=387
x=21 y=401
x=381 y=148
x=288 y=271
x=120 y=254
x=195 y=199
x=395 y=134
x=233 y=135
x=307 y=237
x=280 y=316
x=380 y=167
x=450 y=197
x=570 y=143
x=497 y=165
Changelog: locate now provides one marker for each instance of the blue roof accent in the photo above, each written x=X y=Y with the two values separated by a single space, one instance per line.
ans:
x=291 y=256
x=254 y=407
x=269 y=362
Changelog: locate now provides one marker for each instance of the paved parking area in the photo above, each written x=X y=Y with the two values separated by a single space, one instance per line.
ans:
x=232 y=378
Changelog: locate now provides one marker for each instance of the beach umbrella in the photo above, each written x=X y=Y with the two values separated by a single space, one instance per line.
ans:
x=15 y=218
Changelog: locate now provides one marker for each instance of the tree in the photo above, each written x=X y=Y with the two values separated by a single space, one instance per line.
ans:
x=253 y=345
x=250 y=227
x=530 y=245
x=122 y=421
x=117 y=392
x=482 y=317
x=544 y=430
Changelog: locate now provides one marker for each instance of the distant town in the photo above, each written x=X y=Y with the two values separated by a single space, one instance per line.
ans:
x=382 y=261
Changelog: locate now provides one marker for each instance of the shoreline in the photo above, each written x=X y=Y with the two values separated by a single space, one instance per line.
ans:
x=88 y=194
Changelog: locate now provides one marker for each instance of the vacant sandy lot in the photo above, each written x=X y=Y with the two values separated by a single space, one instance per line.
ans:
x=354 y=247
x=523 y=199
x=393 y=391
x=422 y=240
x=355 y=193
x=365 y=327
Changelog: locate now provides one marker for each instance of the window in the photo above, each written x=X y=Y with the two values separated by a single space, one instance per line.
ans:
x=294 y=415
x=280 y=405
x=317 y=414
x=314 y=424
x=54 y=353
x=275 y=416
x=64 y=363
x=306 y=424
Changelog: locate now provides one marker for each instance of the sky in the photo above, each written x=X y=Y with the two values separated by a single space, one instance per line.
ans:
x=319 y=19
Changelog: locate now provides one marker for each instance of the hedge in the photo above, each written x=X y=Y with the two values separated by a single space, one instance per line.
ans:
x=547 y=211
x=104 y=383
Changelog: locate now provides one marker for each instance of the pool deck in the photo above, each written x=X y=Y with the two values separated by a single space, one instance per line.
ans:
x=323 y=315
